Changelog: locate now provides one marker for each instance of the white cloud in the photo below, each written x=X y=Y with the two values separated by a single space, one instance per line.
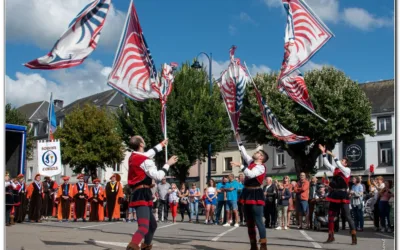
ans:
x=273 y=3
x=246 y=18
x=310 y=65
x=362 y=19
x=42 y=22
x=66 y=84
x=232 y=30
x=329 y=11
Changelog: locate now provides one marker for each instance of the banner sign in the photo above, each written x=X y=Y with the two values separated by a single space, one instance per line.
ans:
x=49 y=158
x=355 y=152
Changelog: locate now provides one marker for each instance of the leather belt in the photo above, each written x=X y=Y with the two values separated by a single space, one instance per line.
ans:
x=249 y=187
x=143 y=186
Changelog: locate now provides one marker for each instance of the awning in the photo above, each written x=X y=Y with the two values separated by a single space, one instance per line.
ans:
x=280 y=177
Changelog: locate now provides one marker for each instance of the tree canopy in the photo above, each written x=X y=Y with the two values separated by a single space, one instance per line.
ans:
x=89 y=140
x=194 y=119
x=335 y=97
x=14 y=116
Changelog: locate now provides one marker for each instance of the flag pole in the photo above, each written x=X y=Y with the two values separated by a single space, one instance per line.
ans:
x=165 y=133
x=49 y=117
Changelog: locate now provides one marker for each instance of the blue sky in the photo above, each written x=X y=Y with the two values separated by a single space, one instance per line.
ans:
x=177 y=30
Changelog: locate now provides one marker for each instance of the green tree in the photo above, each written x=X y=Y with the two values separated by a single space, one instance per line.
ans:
x=89 y=140
x=14 y=116
x=194 y=118
x=335 y=97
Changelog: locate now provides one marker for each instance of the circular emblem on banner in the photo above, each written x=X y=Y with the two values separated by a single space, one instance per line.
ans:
x=49 y=158
x=354 y=153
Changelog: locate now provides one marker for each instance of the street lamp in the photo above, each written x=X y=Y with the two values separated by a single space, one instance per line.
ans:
x=196 y=65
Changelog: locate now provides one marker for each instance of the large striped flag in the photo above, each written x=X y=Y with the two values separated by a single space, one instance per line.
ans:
x=52 y=119
x=273 y=125
x=305 y=34
x=133 y=72
x=232 y=85
x=79 y=41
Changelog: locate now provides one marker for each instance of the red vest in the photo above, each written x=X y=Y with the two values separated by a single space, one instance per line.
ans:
x=136 y=174
x=337 y=172
x=259 y=178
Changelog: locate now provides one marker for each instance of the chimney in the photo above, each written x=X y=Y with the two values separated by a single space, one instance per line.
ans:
x=58 y=103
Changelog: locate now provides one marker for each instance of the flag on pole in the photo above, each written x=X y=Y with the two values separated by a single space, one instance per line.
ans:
x=232 y=85
x=305 y=34
x=52 y=118
x=133 y=72
x=273 y=125
x=167 y=79
x=79 y=41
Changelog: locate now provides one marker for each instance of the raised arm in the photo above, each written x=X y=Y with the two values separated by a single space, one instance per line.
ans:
x=327 y=163
x=244 y=154
x=152 y=152
x=254 y=172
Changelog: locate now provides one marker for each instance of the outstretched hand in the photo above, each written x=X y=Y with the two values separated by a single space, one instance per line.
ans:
x=172 y=160
x=322 y=148
x=235 y=164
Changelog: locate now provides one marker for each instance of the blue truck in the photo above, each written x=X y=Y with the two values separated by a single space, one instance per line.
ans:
x=15 y=149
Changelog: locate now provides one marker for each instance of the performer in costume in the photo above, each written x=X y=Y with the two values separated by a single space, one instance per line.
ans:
x=252 y=196
x=17 y=202
x=9 y=186
x=20 y=211
x=64 y=197
x=80 y=192
x=142 y=170
x=338 y=196
x=52 y=187
x=96 y=198
x=35 y=196
x=46 y=198
x=114 y=196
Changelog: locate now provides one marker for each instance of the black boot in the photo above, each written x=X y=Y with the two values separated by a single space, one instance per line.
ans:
x=353 y=237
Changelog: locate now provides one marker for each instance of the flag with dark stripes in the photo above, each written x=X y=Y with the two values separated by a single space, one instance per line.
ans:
x=295 y=87
x=273 y=125
x=133 y=72
x=232 y=85
x=79 y=41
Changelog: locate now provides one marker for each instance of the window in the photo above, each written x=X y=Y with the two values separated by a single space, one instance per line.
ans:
x=30 y=173
x=385 y=153
x=117 y=167
x=213 y=165
x=279 y=158
x=384 y=125
x=35 y=129
x=228 y=166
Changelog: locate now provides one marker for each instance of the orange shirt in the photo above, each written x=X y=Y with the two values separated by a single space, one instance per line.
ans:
x=303 y=189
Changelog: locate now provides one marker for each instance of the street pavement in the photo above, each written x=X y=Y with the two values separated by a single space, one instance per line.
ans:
x=116 y=235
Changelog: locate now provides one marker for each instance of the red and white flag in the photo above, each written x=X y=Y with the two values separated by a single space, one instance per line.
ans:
x=133 y=72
